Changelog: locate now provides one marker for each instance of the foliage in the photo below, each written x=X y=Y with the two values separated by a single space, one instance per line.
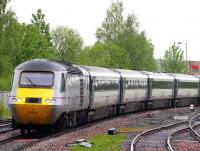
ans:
x=83 y=57
x=126 y=34
x=112 y=25
x=68 y=43
x=9 y=44
x=21 y=42
x=173 y=61
x=103 y=142
x=140 y=50
x=119 y=44
x=39 y=22
x=35 y=39
x=5 y=82
x=34 y=44
x=3 y=5
x=105 y=55
x=4 y=112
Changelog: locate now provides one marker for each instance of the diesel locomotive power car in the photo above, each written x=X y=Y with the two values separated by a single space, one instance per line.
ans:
x=59 y=95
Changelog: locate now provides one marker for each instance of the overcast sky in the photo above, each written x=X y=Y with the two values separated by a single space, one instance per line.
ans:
x=164 y=21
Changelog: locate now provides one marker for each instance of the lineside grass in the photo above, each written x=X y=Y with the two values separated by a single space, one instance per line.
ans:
x=4 y=112
x=131 y=129
x=103 y=143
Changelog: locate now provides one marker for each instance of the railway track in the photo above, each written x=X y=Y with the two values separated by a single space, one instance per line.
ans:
x=194 y=123
x=190 y=130
x=156 y=138
x=5 y=125
x=161 y=138
x=18 y=143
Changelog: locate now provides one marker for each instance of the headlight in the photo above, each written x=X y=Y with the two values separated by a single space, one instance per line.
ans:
x=19 y=100
x=47 y=101
x=53 y=101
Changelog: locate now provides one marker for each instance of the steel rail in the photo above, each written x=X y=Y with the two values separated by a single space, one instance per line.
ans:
x=25 y=146
x=169 y=139
x=7 y=140
x=139 y=136
x=190 y=127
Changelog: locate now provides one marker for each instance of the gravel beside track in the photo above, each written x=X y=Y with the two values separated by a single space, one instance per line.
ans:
x=156 y=138
x=136 y=122
x=187 y=146
x=158 y=119
x=188 y=139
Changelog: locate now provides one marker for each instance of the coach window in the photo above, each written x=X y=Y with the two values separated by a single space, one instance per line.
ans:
x=62 y=88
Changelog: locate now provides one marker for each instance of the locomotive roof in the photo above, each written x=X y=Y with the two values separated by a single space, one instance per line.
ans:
x=185 y=77
x=158 y=75
x=48 y=65
x=99 y=71
x=40 y=65
x=131 y=73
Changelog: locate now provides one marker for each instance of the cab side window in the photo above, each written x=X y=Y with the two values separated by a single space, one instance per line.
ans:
x=62 y=86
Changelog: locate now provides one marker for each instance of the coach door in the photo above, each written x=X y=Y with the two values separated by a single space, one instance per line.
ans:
x=81 y=92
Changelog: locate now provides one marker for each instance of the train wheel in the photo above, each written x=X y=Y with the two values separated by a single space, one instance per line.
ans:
x=71 y=120
x=29 y=131
x=14 y=124
x=51 y=131
x=63 y=124
x=82 y=118
x=22 y=131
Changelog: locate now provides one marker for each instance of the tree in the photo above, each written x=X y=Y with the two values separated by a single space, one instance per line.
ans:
x=3 y=5
x=9 y=38
x=173 y=61
x=36 y=39
x=105 y=55
x=112 y=25
x=34 y=44
x=126 y=34
x=140 y=50
x=68 y=43
x=9 y=43
x=39 y=22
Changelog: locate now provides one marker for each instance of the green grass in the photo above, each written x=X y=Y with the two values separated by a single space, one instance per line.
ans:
x=103 y=143
x=4 y=112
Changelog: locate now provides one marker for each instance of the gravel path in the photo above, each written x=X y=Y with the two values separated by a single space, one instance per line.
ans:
x=135 y=121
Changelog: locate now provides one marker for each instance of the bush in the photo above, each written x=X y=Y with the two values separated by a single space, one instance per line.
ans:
x=5 y=82
x=4 y=112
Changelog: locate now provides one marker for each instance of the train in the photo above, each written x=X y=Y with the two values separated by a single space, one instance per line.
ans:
x=55 y=94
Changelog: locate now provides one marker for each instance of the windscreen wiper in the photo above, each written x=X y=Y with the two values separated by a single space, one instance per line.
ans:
x=32 y=83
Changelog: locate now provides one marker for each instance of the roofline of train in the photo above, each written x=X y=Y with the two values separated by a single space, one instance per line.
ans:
x=55 y=65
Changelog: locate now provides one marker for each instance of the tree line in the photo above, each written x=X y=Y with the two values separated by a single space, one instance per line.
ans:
x=119 y=42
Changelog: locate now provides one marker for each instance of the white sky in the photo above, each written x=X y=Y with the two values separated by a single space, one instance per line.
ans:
x=164 y=21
